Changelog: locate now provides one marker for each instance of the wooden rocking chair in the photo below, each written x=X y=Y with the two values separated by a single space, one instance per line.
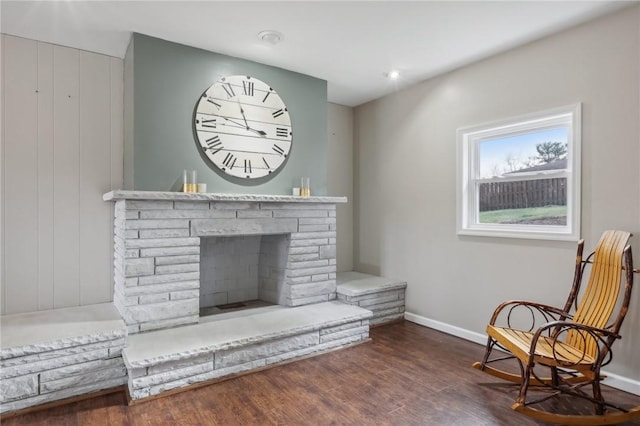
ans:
x=574 y=346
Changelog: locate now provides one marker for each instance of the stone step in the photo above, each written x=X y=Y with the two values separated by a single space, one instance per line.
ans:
x=223 y=345
x=384 y=297
x=42 y=331
x=51 y=355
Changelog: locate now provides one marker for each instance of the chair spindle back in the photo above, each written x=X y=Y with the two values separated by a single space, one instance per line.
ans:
x=602 y=292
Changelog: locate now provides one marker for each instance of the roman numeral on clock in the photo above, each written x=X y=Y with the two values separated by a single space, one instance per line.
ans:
x=247 y=166
x=214 y=143
x=213 y=102
x=282 y=132
x=229 y=160
x=266 y=164
x=277 y=113
x=208 y=123
x=266 y=96
x=248 y=87
x=229 y=89
x=277 y=149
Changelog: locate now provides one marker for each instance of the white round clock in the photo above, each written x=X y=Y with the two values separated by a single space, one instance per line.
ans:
x=244 y=127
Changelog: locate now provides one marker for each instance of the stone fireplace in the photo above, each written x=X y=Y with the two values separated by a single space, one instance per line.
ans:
x=176 y=253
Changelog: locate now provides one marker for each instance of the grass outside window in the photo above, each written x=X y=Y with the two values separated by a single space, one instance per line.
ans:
x=548 y=215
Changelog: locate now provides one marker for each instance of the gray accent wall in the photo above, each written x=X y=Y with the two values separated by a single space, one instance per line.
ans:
x=167 y=80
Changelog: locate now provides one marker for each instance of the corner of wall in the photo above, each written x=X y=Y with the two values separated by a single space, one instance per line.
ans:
x=128 y=117
x=340 y=179
x=2 y=268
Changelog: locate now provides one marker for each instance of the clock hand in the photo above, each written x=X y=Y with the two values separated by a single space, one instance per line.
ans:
x=233 y=121
x=260 y=132
x=242 y=112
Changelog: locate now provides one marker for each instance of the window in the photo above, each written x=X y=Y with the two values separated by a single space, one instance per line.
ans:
x=521 y=177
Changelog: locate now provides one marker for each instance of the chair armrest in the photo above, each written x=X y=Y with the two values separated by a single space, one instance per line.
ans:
x=582 y=327
x=549 y=313
x=603 y=337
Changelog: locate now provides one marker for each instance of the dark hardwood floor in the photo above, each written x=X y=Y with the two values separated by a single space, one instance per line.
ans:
x=408 y=375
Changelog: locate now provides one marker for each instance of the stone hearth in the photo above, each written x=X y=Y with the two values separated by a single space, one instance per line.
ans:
x=158 y=236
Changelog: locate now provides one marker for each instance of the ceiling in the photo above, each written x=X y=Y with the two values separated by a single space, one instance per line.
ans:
x=351 y=44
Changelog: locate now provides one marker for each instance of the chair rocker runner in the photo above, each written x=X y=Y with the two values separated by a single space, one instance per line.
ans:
x=574 y=346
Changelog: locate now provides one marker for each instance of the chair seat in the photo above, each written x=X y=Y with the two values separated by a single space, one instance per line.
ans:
x=547 y=351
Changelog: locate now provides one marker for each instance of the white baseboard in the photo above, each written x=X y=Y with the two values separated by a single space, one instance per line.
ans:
x=614 y=380
x=447 y=328
x=621 y=382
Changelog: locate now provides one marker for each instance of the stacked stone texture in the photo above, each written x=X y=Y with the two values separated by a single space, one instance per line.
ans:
x=43 y=372
x=157 y=285
x=149 y=377
x=157 y=253
x=386 y=301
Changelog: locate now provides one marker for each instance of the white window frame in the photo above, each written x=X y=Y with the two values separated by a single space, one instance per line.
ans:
x=468 y=141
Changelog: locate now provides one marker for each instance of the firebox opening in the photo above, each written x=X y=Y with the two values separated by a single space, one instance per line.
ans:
x=233 y=307
x=241 y=272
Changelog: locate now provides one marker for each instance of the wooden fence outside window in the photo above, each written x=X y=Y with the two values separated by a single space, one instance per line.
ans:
x=522 y=194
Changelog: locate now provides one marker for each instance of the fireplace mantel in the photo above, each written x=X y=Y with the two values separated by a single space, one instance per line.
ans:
x=187 y=196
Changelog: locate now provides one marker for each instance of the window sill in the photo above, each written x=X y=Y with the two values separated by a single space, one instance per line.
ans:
x=539 y=233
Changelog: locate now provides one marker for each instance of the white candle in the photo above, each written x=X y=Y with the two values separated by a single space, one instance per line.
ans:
x=194 y=179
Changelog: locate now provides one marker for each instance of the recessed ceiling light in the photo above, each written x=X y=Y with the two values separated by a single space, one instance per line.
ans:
x=392 y=75
x=270 y=36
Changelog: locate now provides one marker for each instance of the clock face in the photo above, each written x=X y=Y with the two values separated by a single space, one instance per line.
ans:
x=243 y=127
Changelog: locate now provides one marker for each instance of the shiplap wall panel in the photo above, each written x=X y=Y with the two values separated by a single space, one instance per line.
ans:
x=95 y=177
x=66 y=176
x=3 y=269
x=116 y=143
x=45 y=172
x=62 y=149
x=20 y=175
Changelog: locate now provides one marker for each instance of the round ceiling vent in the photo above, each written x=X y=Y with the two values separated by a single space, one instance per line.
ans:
x=270 y=36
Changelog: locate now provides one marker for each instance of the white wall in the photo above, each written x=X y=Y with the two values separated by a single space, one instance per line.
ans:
x=405 y=176
x=340 y=178
x=61 y=150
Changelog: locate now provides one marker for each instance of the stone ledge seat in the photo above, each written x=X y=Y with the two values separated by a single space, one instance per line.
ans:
x=226 y=344
x=384 y=297
x=51 y=355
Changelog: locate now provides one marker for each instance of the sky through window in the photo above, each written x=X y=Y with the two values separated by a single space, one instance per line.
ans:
x=511 y=153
